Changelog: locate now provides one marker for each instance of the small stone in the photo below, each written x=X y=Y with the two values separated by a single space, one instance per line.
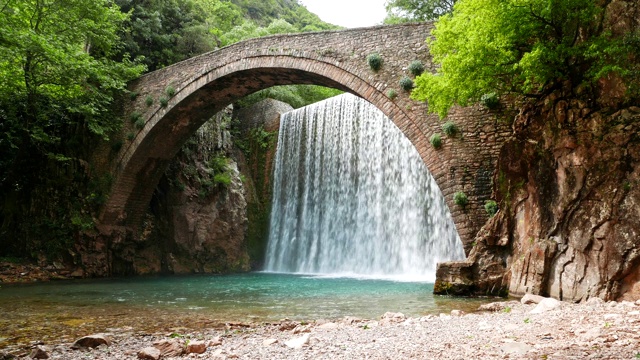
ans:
x=196 y=347
x=457 y=313
x=215 y=341
x=149 y=353
x=515 y=348
x=328 y=326
x=91 y=341
x=298 y=343
x=269 y=342
x=595 y=301
x=169 y=347
x=39 y=353
x=531 y=299
x=545 y=305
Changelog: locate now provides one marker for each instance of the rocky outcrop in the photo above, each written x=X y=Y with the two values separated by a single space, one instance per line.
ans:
x=569 y=192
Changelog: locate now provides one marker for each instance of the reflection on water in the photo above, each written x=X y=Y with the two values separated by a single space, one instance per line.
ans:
x=62 y=311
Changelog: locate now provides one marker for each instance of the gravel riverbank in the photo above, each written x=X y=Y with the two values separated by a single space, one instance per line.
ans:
x=513 y=330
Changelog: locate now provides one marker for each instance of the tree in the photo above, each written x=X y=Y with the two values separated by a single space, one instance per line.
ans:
x=524 y=47
x=400 y=11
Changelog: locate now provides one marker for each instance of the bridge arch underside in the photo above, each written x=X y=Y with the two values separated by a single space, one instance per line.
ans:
x=141 y=164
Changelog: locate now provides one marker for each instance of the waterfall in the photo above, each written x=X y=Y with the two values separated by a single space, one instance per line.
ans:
x=352 y=197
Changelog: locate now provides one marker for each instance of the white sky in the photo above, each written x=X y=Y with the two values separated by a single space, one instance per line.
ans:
x=348 y=13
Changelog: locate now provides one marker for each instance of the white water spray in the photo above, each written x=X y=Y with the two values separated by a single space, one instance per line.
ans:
x=352 y=197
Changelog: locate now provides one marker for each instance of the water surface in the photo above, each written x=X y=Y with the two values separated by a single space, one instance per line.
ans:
x=63 y=311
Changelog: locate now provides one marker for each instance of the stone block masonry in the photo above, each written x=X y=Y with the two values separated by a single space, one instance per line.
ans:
x=188 y=93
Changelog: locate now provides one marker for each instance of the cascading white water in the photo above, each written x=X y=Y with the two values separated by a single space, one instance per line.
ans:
x=353 y=197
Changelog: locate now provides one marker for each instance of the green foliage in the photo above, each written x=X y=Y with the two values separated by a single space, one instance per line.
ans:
x=491 y=207
x=133 y=95
x=163 y=101
x=401 y=11
x=406 y=83
x=490 y=100
x=375 y=61
x=392 y=94
x=170 y=91
x=135 y=116
x=460 y=199
x=436 y=141
x=450 y=128
x=416 y=67
x=295 y=95
x=523 y=47
x=148 y=100
x=131 y=136
x=139 y=124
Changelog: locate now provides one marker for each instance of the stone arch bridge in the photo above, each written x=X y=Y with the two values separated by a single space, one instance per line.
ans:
x=207 y=83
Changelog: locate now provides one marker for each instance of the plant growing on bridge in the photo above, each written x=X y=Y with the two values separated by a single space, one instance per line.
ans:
x=450 y=128
x=416 y=68
x=164 y=101
x=436 y=141
x=460 y=199
x=375 y=61
x=139 y=123
x=148 y=100
x=170 y=91
x=490 y=100
x=392 y=94
x=406 y=83
x=135 y=116
x=491 y=207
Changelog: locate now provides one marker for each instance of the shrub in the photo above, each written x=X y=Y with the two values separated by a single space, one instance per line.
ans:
x=436 y=141
x=139 y=123
x=416 y=68
x=170 y=91
x=164 y=101
x=406 y=83
x=133 y=95
x=135 y=116
x=223 y=179
x=375 y=61
x=449 y=128
x=392 y=94
x=491 y=207
x=460 y=199
x=148 y=100
x=131 y=136
x=490 y=100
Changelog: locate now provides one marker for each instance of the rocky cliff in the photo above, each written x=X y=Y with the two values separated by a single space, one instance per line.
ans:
x=568 y=186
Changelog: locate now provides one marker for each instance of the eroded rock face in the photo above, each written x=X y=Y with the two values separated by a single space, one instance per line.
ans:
x=569 y=189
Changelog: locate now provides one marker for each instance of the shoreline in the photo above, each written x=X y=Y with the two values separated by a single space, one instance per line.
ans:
x=593 y=329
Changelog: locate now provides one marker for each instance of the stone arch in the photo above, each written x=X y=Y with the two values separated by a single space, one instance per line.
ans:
x=207 y=83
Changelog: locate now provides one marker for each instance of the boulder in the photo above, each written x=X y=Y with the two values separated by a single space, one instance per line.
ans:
x=91 y=341
x=299 y=342
x=196 y=347
x=545 y=305
x=149 y=353
x=531 y=299
x=169 y=347
x=39 y=353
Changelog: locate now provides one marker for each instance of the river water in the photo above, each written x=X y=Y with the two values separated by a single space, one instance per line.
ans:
x=62 y=311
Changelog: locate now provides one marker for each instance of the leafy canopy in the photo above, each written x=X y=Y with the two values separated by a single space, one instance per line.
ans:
x=401 y=11
x=521 y=47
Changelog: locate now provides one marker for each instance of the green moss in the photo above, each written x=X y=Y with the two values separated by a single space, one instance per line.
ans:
x=460 y=199
x=375 y=61
x=436 y=141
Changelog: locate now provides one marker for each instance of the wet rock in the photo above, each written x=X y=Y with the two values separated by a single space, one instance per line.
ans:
x=39 y=353
x=545 y=305
x=91 y=341
x=149 y=353
x=169 y=347
x=531 y=299
x=196 y=347
x=299 y=342
x=454 y=278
